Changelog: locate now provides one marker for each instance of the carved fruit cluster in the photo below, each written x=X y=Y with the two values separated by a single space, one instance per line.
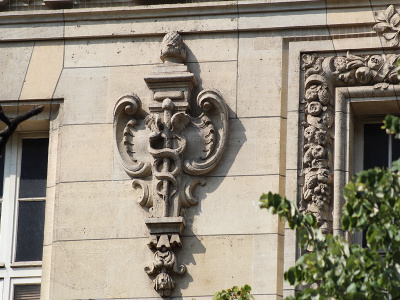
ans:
x=317 y=141
x=321 y=74
x=366 y=69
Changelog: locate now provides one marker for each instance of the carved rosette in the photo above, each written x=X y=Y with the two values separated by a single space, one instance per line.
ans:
x=322 y=75
x=166 y=149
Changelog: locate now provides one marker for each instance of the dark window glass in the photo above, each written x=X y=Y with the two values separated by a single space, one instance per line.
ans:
x=376 y=151
x=33 y=168
x=1 y=174
x=30 y=231
x=27 y=292
x=376 y=147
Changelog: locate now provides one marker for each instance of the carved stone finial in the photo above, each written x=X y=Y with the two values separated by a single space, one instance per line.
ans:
x=388 y=25
x=153 y=146
x=173 y=48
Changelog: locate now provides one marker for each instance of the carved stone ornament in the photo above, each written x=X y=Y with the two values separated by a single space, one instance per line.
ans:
x=388 y=25
x=165 y=149
x=322 y=75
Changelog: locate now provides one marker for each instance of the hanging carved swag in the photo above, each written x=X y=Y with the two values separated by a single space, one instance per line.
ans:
x=322 y=75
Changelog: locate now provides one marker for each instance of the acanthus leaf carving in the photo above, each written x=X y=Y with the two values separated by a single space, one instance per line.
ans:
x=322 y=74
x=209 y=101
x=152 y=146
x=126 y=116
x=388 y=25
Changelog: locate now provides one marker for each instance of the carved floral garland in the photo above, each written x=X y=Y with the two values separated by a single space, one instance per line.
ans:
x=322 y=75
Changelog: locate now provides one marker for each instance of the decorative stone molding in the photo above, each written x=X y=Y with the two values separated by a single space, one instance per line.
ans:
x=166 y=148
x=58 y=3
x=388 y=25
x=322 y=75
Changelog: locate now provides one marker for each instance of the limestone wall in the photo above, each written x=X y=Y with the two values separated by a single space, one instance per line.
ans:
x=250 y=51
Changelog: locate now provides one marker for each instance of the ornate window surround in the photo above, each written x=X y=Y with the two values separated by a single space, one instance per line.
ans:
x=294 y=91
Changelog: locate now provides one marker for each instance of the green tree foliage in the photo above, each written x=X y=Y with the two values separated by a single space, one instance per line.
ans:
x=242 y=293
x=333 y=268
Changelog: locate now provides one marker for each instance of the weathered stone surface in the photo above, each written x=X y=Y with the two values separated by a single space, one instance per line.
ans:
x=147 y=26
x=217 y=75
x=145 y=50
x=86 y=153
x=87 y=101
x=260 y=73
x=14 y=61
x=253 y=147
x=108 y=263
x=88 y=258
x=230 y=206
x=99 y=210
x=38 y=31
x=41 y=79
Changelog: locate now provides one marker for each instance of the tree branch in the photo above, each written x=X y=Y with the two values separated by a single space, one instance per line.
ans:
x=12 y=124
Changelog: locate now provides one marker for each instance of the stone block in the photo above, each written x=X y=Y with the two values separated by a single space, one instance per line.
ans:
x=253 y=147
x=49 y=215
x=294 y=138
x=54 y=147
x=344 y=15
x=273 y=20
x=292 y=184
x=255 y=263
x=290 y=250
x=14 y=61
x=99 y=210
x=85 y=93
x=150 y=26
x=115 y=268
x=38 y=31
x=46 y=272
x=112 y=52
x=132 y=82
x=90 y=259
x=140 y=50
x=217 y=75
x=260 y=76
x=230 y=205
x=126 y=275
x=267 y=255
x=86 y=152
x=41 y=78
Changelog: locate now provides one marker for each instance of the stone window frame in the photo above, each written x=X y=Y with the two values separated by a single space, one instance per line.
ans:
x=293 y=85
x=45 y=124
x=349 y=101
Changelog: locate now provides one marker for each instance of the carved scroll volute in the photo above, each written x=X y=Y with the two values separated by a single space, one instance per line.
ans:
x=211 y=102
x=126 y=119
x=154 y=145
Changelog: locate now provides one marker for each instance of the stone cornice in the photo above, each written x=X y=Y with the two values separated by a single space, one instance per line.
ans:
x=223 y=16
x=220 y=8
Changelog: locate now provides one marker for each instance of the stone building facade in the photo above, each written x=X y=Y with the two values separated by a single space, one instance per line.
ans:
x=165 y=124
